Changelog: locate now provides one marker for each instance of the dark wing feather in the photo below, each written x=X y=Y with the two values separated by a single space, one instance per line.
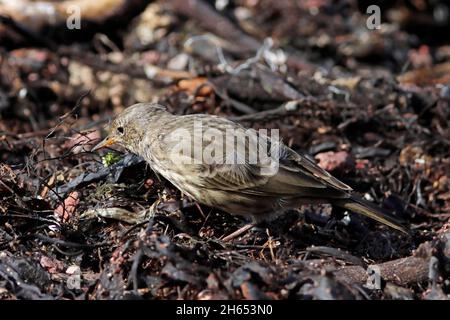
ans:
x=295 y=161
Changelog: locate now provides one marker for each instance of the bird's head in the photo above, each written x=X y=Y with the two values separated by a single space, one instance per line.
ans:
x=130 y=126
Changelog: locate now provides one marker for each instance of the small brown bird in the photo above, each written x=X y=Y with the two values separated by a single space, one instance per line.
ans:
x=221 y=164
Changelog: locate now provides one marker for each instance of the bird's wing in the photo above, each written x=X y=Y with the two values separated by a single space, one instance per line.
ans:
x=298 y=176
x=295 y=162
x=286 y=174
x=206 y=160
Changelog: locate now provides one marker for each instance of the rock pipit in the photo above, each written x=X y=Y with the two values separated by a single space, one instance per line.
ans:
x=221 y=164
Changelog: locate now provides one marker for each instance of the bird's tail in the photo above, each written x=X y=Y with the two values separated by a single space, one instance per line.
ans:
x=368 y=209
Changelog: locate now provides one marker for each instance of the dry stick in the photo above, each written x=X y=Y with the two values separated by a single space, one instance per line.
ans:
x=214 y=22
x=283 y=110
x=63 y=118
x=55 y=14
x=286 y=109
x=238 y=232
x=17 y=198
x=402 y=271
x=293 y=107
x=68 y=244
x=27 y=217
x=152 y=73
x=161 y=76
x=337 y=253
x=55 y=241
x=27 y=33
x=239 y=106
x=210 y=20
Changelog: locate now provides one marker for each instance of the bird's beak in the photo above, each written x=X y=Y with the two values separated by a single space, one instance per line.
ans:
x=104 y=143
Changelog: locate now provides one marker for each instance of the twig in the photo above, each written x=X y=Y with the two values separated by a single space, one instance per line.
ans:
x=214 y=22
x=285 y=109
x=33 y=37
x=412 y=269
x=68 y=244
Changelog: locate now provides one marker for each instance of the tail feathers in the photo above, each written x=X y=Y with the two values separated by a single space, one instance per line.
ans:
x=368 y=209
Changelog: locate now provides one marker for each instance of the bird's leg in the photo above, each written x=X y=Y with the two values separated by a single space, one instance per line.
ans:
x=238 y=232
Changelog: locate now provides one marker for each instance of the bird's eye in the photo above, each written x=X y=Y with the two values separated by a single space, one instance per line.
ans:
x=120 y=130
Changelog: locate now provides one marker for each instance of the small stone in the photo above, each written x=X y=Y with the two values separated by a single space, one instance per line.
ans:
x=179 y=62
x=332 y=161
